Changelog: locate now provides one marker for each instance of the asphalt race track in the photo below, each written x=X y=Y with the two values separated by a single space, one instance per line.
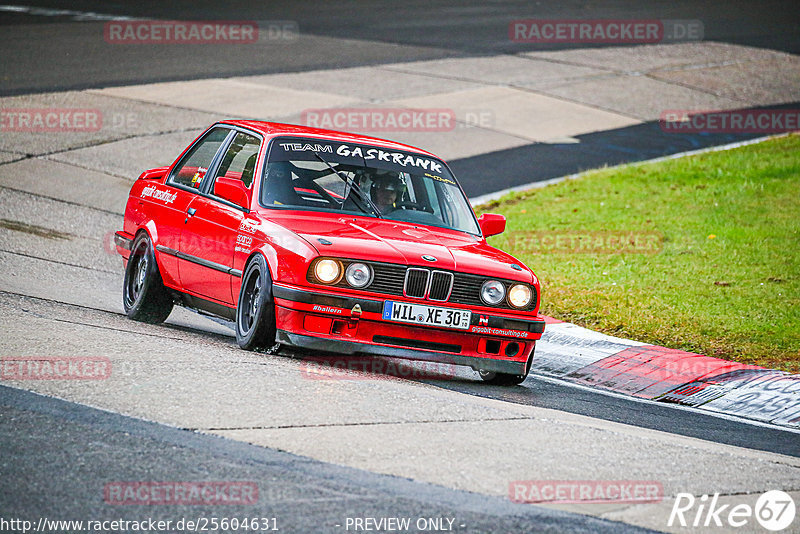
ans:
x=182 y=403
x=334 y=35
x=421 y=30
x=297 y=494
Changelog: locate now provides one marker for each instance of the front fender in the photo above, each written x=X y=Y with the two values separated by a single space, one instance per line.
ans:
x=287 y=255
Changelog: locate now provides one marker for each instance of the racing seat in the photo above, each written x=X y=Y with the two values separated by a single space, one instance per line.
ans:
x=278 y=187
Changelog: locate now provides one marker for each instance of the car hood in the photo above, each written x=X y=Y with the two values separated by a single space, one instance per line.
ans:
x=401 y=243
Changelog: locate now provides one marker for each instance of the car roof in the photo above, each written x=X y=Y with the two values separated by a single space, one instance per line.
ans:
x=274 y=129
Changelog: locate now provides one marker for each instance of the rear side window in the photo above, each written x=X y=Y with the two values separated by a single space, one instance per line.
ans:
x=239 y=162
x=191 y=171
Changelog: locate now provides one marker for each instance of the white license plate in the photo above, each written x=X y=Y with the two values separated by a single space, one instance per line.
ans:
x=419 y=314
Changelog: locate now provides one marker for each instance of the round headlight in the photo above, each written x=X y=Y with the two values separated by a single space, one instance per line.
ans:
x=358 y=275
x=520 y=295
x=493 y=292
x=327 y=271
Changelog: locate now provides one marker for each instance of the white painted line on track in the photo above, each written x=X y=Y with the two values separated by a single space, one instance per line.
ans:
x=614 y=394
x=49 y=12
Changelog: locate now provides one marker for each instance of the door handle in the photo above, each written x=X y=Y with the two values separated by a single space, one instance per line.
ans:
x=190 y=213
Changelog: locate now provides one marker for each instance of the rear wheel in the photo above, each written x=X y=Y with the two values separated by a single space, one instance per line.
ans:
x=144 y=296
x=255 y=312
x=506 y=379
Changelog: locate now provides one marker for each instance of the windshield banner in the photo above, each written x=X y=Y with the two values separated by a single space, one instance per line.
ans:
x=287 y=149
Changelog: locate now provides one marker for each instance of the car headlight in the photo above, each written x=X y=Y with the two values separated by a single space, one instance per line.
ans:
x=520 y=295
x=328 y=271
x=493 y=292
x=358 y=275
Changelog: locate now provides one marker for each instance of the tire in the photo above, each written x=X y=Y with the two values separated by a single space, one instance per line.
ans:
x=144 y=296
x=505 y=379
x=255 y=311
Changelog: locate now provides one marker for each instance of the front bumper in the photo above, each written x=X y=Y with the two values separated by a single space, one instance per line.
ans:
x=357 y=348
x=123 y=243
x=326 y=322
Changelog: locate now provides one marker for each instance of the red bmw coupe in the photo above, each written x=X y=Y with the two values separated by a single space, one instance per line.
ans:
x=329 y=241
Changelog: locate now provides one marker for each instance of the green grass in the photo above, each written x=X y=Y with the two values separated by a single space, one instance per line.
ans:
x=726 y=281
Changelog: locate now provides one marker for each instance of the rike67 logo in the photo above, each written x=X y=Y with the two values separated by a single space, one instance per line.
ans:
x=774 y=511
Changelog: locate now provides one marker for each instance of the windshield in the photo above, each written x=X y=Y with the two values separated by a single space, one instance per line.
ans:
x=316 y=174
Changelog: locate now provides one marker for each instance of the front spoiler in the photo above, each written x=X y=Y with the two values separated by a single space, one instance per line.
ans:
x=355 y=347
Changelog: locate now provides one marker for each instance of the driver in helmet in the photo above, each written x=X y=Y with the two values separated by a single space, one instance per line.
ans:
x=386 y=189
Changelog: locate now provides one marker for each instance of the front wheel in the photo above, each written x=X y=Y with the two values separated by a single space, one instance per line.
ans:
x=506 y=379
x=144 y=296
x=255 y=312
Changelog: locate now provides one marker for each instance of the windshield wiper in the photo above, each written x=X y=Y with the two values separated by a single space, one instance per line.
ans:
x=352 y=183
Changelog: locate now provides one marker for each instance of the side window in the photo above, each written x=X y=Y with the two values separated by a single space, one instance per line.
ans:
x=239 y=162
x=192 y=170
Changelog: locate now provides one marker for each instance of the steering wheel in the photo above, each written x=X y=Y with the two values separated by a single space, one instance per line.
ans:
x=413 y=206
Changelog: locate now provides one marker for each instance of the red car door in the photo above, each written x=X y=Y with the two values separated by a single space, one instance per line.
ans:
x=207 y=242
x=211 y=227
x=166 y=205
x=172 y=200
